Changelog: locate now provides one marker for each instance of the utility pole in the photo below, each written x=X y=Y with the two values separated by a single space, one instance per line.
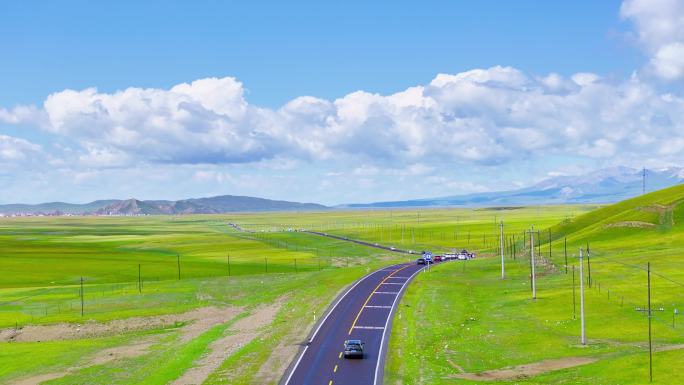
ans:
x=581 y=279
x=674 y=313
x=650 y=342
x=589 y=264
x=574 y=301
x=514 y=247
x=82 y=294
x=503 y=270
x=643 y=182
x=566 y=257
x=532 y=267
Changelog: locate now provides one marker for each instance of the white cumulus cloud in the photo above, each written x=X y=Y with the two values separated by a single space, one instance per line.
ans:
x=660 y=29
x=17 y=152
x=484 y=116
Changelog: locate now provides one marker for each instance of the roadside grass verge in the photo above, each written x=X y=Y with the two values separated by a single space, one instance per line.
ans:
x=452 y=320
x=167 y=359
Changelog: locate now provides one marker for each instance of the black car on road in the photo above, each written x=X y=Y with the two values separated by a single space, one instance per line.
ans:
x=353 y=349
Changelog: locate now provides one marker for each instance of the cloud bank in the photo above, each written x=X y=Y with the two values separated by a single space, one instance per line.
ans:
x=484 y=116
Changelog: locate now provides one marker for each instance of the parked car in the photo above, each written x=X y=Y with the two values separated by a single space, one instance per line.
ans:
x=353 y=349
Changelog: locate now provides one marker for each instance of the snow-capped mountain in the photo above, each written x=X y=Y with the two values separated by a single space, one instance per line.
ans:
x=601 y=186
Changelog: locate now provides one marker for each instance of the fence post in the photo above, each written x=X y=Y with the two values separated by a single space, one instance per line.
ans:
x=82 y=294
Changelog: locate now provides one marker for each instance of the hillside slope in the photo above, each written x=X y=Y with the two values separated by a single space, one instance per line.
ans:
x=656 y=212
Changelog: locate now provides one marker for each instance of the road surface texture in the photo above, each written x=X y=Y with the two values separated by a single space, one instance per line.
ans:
x=364 y=312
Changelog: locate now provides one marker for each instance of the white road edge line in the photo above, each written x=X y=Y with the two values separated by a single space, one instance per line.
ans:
x=384 y=331
x=332 y=309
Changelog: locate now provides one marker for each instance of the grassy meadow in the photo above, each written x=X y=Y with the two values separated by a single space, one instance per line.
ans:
x=44 y=259
x=462 y=320
x=271 y=263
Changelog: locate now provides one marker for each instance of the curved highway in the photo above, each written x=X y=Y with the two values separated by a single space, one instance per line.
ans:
x=364 y=312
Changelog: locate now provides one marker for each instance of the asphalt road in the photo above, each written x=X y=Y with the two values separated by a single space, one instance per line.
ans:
x=347 y=239
x=364 y=313
x=369 y=244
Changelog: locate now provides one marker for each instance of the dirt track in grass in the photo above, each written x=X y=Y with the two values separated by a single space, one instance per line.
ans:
x=241 y=333
x=526 y=370
x=199 y=321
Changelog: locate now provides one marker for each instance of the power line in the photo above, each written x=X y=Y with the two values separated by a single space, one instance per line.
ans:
x=609 y=260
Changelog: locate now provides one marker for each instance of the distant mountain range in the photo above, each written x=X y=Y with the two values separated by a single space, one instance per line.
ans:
x=602 y=186
x=213 y=205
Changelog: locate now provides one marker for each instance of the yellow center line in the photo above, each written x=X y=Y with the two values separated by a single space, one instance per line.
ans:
x=330 y=383
x=335 y=370
x=370 y=295
x=340 y=356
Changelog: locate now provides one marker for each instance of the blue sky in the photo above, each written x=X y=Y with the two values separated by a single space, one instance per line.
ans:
x=281 y=50
x=249 y=129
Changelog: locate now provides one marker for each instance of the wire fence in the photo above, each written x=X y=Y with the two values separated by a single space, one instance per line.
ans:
x=665 y=311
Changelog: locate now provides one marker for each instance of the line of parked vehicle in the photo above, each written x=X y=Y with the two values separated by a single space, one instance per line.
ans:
x=427 y=257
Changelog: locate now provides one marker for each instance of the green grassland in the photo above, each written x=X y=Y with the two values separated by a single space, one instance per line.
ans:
x=466 y=318
x=48 y=251
x=169 y=357
x=273 y=262
x=422 y=229
x=43 y=260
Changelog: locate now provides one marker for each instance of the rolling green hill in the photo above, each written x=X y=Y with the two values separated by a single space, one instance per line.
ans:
x=657 y=212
